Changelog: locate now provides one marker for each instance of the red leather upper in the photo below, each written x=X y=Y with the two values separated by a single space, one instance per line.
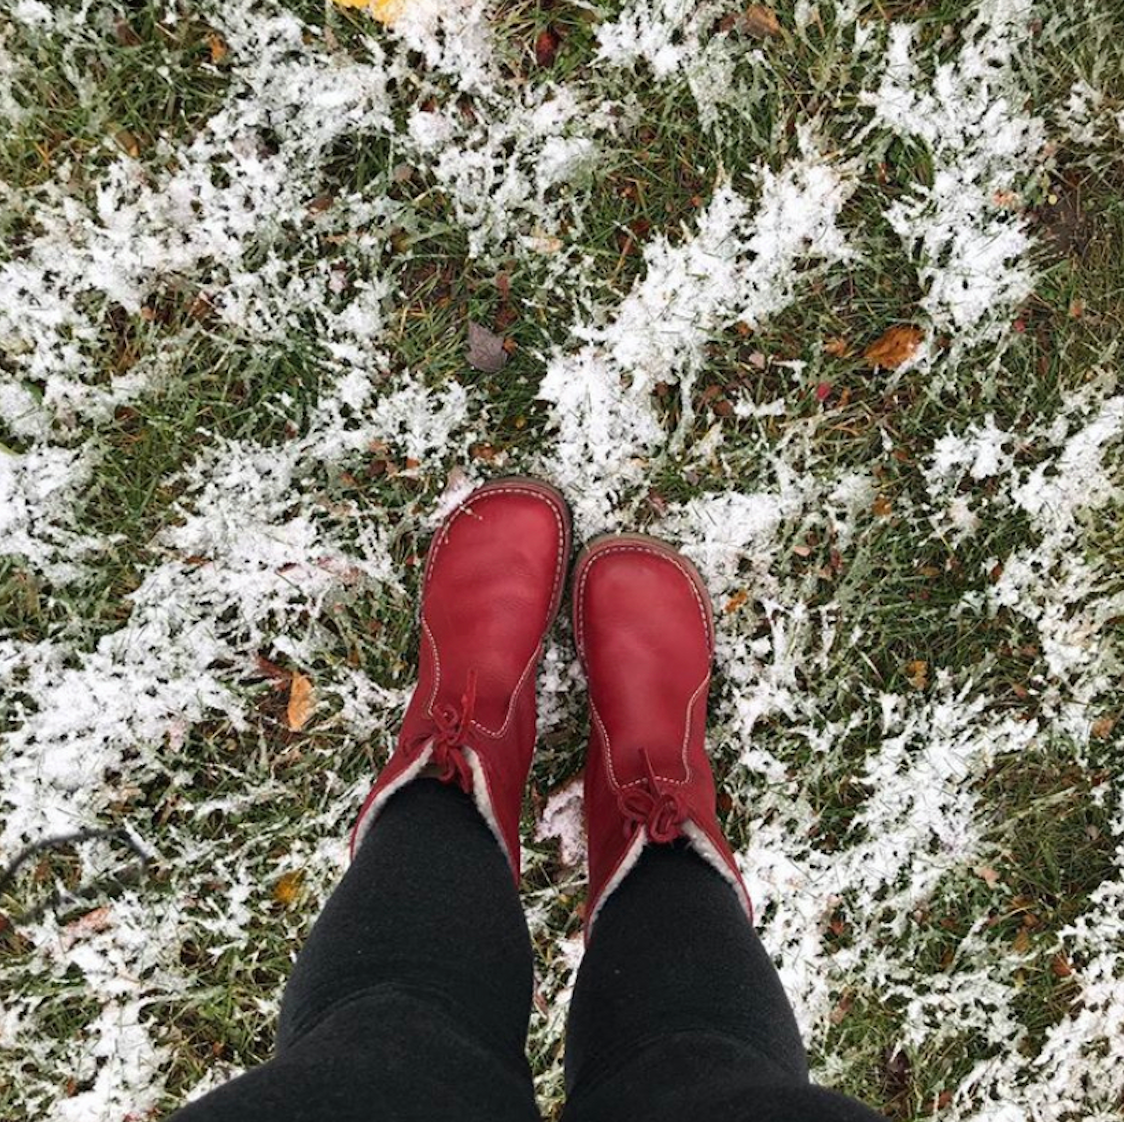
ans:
x=492 y=587
x=643 y=626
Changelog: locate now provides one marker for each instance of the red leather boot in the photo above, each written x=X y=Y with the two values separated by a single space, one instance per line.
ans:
x=645 y=633
x=493 y=583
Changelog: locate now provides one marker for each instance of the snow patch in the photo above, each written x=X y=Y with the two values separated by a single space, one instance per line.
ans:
x=966 y=231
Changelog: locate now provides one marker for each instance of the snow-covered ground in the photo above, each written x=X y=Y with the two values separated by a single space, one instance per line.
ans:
x=879 y=794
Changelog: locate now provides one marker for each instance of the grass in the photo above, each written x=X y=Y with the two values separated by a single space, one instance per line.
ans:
x=146 y=82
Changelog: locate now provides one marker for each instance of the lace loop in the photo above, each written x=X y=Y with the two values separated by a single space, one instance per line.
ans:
x=654 y=804
x=450 y=732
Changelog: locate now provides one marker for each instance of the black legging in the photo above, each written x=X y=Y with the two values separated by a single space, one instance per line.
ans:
x=411 y=998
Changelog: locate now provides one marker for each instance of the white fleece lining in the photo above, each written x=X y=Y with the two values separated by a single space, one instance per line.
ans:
x=363 y=826
x=699 y=842
x=709 y=852
x=481 y=796
x=628 y=862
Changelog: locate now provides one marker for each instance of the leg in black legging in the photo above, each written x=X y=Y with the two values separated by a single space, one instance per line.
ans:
x=411 y=998
x=678 y=1011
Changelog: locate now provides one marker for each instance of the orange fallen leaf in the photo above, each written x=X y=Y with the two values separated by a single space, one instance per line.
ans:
x=219 y=49
x=287 y=890
x=917 y=672
x=837 y=347
x=894 y=348
x=736 y=601
x=882 y=508
x=300 y=702
x=1060 y=966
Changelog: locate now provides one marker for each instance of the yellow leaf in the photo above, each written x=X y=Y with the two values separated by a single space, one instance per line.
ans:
x=895 y=347
x=385 y=11
x=300 y=702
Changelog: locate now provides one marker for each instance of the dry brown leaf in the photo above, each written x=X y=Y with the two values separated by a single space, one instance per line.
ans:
x=837 y=347
x=485 y=349
x=842 y=1009
x=987 y=874
x=1022 y=941
x=882 y=508
x=280 y=677
x=301 y=702
x=1060 y=966
x=125 y=35
x=127 y=142
x=92 y=923
x=1102 y=728
x=546 y=47
x=761 y=21
x=894 y=348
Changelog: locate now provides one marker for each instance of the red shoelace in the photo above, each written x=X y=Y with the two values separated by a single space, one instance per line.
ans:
x=655 y=805
x=450 y=732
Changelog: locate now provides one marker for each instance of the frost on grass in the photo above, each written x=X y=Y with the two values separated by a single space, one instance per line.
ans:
x=223 y=196
x=1062 y=590
x=922 y=826
x=38 y=492
x=966 y=231
x=1079 y=1069
x=701 y=44
x=256 y=562
x=508 y=173
x=740 y=265
x=251 y=557
x=277 y=551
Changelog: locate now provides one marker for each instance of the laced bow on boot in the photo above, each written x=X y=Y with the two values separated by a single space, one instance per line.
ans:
x=450 y=731
x=654 y=804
